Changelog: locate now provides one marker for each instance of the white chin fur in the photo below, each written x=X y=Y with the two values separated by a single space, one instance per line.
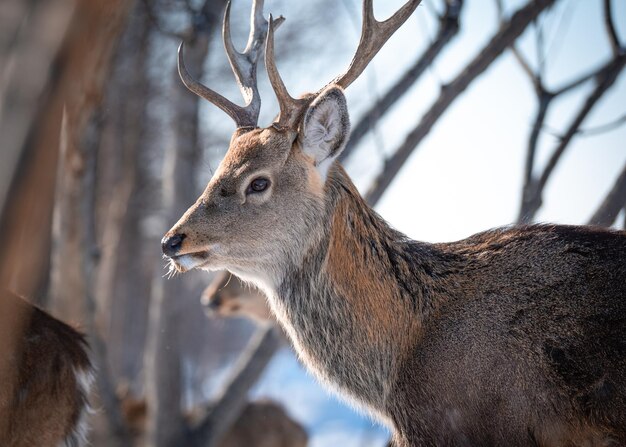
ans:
x=188 y=262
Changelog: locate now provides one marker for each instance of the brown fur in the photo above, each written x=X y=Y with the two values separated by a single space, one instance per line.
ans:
x=363 y=284
x=41 y=398
x=514 y=336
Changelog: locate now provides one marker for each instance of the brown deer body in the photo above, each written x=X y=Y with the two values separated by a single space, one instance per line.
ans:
x=511 y=337
x=45 y=378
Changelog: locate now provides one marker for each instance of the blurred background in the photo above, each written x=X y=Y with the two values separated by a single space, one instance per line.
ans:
x=476 y=114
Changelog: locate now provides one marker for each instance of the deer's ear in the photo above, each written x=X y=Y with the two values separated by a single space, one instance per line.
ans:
x=325 y=127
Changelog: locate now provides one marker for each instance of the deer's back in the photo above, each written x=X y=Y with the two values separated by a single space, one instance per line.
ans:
x=529 y=346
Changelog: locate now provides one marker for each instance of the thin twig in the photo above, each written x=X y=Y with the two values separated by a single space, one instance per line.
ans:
x=604 y=83
x=539 y=48
x=544 y=98
x=589 y=131
x=610 y=207
x=604 y=80
x=603 y=128
x=610 y=28
x=533 y=187
x=534 y=77
x=578 y=82
x=91 y=256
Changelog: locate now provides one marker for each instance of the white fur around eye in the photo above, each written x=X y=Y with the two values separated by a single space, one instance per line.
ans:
x=325 y=128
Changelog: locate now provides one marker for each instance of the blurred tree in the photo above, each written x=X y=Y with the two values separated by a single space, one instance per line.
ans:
x=66 y=93
x=166 y=425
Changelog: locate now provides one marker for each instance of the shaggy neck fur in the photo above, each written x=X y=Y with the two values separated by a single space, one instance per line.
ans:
x=355 y=303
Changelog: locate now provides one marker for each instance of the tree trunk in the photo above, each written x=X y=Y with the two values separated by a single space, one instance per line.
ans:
x=166 y=426
x=58 y=134
x=99 y=24
x=123 y=284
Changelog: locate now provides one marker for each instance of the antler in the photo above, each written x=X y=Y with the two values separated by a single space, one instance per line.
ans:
x=374 y=35
x=290 y=108
x=243 y=66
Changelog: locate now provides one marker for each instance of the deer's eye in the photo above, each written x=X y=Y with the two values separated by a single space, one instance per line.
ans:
x=259 y=184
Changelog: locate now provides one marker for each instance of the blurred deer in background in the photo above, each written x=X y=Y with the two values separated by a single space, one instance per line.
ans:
x=262 y=423
x=45 y=378
x=227 y=296
x=514 y=336
x=265 y=424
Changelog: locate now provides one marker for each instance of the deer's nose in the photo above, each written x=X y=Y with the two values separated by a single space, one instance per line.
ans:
x=172 y=243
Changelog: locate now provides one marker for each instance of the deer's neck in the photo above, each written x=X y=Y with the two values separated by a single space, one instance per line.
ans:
x=355 y=304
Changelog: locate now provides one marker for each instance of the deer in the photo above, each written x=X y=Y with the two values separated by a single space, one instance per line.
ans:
x=262 y=423
x=513 y=336
x=227 y=296
x=265 y=423
x=45 y=378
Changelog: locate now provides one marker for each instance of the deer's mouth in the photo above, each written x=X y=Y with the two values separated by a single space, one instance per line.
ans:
x=189 y=261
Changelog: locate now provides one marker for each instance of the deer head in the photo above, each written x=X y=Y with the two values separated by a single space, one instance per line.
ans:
x=227 y=296
x=265 y=204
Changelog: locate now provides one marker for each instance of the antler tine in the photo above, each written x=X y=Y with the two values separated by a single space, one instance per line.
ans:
x=374 y=34
x=289 y=107
x=243 y=65
x=240 y=115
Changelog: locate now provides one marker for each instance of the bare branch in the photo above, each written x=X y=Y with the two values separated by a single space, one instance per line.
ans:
x=589 y=131
x=578 y=82
x=545 y=100
x=448 y=28
x=539 y=48
x=604 y=81
x=505 y=36
x=534 y=77
x=532 y=189
x=610 y=28
x=90 y=259
x=610 y=207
